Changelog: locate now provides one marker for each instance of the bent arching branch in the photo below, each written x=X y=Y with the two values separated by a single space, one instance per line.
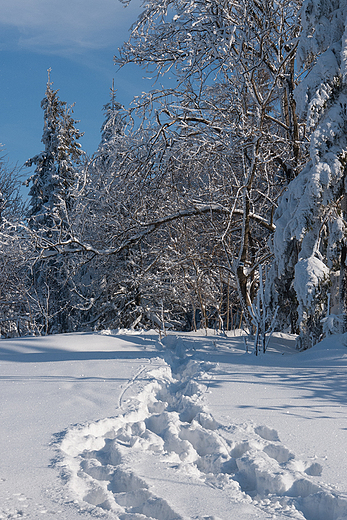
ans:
x=74 y=245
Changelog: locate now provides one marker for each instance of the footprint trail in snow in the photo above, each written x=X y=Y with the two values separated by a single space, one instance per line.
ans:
x=163 y=421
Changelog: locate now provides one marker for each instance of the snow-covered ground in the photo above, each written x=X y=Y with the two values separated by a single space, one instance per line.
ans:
x=125 y=426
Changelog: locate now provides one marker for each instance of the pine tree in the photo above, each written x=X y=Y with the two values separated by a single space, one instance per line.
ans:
x=51 y=201
x=55 y=172
x=113 y=125
x=107 y=285
x=311 y=215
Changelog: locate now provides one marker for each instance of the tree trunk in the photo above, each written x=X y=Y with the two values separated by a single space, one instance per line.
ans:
x=343 y=273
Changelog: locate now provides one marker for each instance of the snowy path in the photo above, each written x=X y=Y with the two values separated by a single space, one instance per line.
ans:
x=144 y=444
x=165 y=434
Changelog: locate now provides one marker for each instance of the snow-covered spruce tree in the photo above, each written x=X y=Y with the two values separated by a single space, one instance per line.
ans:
x=108 y=287
x=112 y=129
x=51 y=201
x=310 y=237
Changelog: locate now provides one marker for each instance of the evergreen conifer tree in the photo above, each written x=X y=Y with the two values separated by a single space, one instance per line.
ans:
x=51 y=201
x=310 y=238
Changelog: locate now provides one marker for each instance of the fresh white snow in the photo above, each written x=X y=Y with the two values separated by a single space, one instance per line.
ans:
x=126 y=426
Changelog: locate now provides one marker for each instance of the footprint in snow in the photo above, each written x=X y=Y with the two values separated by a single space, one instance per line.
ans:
x=168 y=418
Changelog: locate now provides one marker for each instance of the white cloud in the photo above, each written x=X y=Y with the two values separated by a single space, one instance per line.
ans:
x=61 y=26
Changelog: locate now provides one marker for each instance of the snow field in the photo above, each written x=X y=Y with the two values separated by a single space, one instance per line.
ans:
x=165 y=431
x=47 y=384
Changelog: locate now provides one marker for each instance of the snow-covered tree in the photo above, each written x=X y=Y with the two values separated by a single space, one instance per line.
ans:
x=310 y=239
x=113 y=125
x=233 y=100
x=55 y=174
x=51 y=200
x=107 y=287
x=15 y=316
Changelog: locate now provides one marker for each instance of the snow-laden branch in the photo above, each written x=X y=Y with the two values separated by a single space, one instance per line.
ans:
x=74 y=245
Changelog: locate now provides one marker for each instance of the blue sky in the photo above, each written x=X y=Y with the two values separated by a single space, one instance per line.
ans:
x=77 y=39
